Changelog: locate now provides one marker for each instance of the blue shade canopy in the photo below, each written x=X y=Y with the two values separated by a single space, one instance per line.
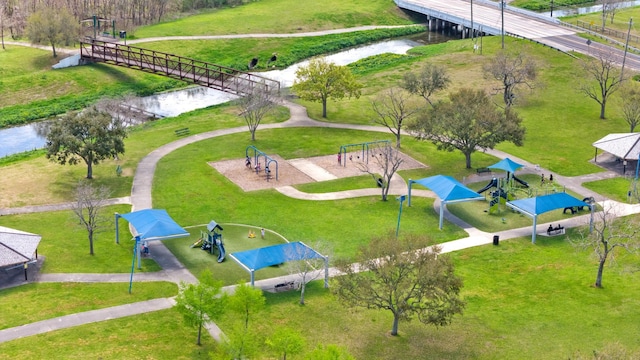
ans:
x=447 y=188
x=256 y=259
x=542 y=204
x=506 y=165
x=153 y=224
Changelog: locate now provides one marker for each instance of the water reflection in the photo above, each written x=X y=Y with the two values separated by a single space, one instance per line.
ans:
x=29 y=137
x=570 y=11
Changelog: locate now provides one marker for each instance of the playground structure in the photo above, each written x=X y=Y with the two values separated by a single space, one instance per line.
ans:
x=211 y=240
x=505 y=190
x=364 y=147
x=256 y=165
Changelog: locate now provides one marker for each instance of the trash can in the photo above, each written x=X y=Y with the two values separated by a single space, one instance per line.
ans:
x=496 y=239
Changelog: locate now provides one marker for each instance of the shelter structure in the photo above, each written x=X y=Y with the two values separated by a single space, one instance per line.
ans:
x=507 y=165
x=535 y=206
x=256 y=259
x=149 y=225
x=448 y=189
x=624 y=146
x=17 y=248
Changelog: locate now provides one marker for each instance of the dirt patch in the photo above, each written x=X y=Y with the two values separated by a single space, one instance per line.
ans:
x=249 y=180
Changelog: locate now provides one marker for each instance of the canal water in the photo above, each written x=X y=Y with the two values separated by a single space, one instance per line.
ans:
x=581 y=10
x=28 y=137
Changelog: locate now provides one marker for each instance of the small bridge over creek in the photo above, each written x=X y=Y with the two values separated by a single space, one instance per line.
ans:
x=177 y=67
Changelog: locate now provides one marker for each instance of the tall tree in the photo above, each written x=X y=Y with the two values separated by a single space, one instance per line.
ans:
x=630 y=98
x=392 y=108
x=246 y=301
x=403 y=277
x=90 y=136
x=512 y=70
x=386 y=162
x=285 y=342
x=320 y=81
x=607 y=76
x=256 y=105
x=424 y=83
x=609 y=234
x=202 y=302
x=55 y=27
x=88 y=205
x=467 y=122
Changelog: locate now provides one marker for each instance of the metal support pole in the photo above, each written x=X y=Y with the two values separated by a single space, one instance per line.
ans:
x=502 y=4
x=402 y=199
x=117 y=229
x=326 y=272
x=626 y=49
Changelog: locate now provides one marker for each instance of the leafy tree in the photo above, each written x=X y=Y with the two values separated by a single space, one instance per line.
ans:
x=392 y=108
x=512 y=70
x=255 y=105
x=321 y=80
x=56 y=27
x=608 y=78
x=89 y=202
x=429 y=80
x=609 y=233
x=90 y=136
x=202 y=302
x=404 y=277
x=467 y=122
x=329 y=352
x=630 y=98
x=245 y=301
x=387 y=161
x=286 y=342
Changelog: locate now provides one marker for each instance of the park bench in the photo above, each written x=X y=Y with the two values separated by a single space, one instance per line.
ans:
x=483 y=170
x=556 y=231
x=182 y=132
x=285 y=286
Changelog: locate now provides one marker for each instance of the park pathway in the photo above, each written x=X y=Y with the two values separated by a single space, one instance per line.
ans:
x=174 y=271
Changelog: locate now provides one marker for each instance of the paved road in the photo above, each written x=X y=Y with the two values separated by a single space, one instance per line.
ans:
x=528 y=25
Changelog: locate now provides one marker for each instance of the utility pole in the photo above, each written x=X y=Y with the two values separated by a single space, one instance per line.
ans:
x=551 y=8
x=473 y=41
x=626 y=48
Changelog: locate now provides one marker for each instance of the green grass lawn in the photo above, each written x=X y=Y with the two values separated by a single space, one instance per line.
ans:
x=281 y=16
x=49 y=300
x=65 y=245
x=620 y=22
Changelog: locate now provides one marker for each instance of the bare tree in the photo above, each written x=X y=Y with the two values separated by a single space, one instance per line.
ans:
x=393 y=107
x=256 y=105
x=387 y=161
x=609 y=233
x=607 y=76
x=512 y=70
x=609 y=9
x=89 y=202
x=631 y=105
x=311 y=267
x=431 y=79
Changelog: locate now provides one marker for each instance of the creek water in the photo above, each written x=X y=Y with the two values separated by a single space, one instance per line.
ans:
x=27 y=137
x=581 y=10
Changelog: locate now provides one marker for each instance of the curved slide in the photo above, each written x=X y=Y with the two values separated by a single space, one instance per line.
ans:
x=492 y=183
x=221 y=252
x=520 y=181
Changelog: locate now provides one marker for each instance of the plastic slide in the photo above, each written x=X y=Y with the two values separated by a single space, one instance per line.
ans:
x=221 y=252
x=520 y=181
x=492 y=183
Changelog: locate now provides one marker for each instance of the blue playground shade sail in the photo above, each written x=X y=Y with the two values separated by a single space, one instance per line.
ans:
x=256 y=259
x=447 y=188
x=153 y=224
x=506 y=165
x=542 y=204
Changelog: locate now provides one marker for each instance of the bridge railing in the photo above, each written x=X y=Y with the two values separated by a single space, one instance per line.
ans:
x=178 y=67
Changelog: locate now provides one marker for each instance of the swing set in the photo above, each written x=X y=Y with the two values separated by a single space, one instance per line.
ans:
x=364 y=147
x=256 y=155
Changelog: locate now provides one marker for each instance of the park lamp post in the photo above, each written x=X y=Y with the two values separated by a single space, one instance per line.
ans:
x=401 y=198
x=551 y=8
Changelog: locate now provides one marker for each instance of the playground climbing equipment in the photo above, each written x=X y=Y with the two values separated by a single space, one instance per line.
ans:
x=211 y=240
x=251 y=152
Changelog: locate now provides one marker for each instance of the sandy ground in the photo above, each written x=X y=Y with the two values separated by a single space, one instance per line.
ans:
x=248 y=180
